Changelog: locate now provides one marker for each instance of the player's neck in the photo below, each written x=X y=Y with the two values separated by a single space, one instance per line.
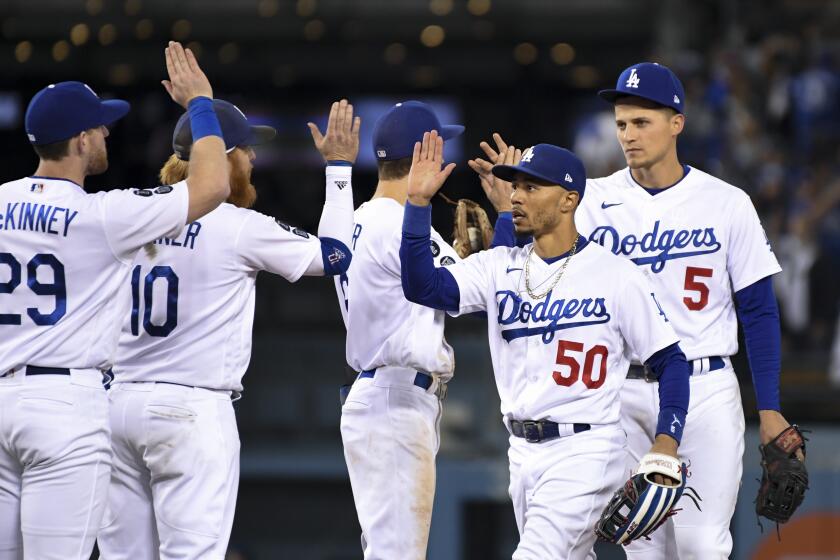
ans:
x=62 y=170
x=555 y=242
x=396 y=189
x=661 y=174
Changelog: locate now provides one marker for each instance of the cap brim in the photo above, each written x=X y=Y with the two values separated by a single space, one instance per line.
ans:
x=611 y=94
x=113 y=110
x=451 y=131
x=509 y=172
x=260 y=134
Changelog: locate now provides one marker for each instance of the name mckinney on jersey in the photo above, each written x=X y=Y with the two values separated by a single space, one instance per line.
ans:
x=31 y=216
x=661 y=243
x=513 y=310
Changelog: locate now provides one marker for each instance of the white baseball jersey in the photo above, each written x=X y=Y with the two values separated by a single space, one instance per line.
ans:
x=192 y=297
x=64 y=256
x=384 y=328
x=697 y=241
x=565 y=356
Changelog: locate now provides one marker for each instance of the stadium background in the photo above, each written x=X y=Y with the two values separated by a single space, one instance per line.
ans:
x=762 y=80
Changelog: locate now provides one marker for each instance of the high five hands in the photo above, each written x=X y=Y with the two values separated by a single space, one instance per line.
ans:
x=427 y=173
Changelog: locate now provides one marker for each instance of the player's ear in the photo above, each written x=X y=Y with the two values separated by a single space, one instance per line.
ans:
x=570 y=201
x=677 y=123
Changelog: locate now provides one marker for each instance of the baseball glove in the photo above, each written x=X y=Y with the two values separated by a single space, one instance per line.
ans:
x=642 y=505
x=472 y=232
x=784 y=478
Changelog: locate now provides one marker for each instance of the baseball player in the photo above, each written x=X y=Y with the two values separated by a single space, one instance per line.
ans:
x=187 y=343
x=389 y=421
x=564 y=317
x=699 y=240
x=65 y=256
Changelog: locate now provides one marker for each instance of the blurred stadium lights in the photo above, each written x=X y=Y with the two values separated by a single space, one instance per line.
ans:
x=478 y=7
x=228 y=53
x=107 y=34
x=525 y=53
x=93 y=7
x=562 y=53
x=432 y=36
x=305 y=8
x=144 y=29
x=133 y=7
x=268 y=8
x=314 y=30
x=181 y=29
x=394 y=53
x=60 y=50
x=79 y=34
x=440 y=7
x=23 y=51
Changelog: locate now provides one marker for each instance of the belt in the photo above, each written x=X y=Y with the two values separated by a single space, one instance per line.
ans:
x=422 y=380
x=541 y=430
x=37 y=370
x=697 y=368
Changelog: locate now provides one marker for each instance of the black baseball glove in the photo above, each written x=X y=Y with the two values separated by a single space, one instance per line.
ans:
x=785 y=478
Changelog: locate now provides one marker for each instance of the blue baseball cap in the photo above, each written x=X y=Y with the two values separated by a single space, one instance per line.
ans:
x=237 y=130
x=396 y=131
x=549 y=163
x=651 y=81
x=63 y=110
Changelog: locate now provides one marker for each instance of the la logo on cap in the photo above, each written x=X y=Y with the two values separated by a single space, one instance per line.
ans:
x=633 y=79
x=528 y=155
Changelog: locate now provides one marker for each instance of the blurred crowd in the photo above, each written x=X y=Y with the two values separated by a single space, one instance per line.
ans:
x=765 y=115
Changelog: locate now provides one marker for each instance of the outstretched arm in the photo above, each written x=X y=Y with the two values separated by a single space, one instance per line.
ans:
x=339 y=148
x=422 y=282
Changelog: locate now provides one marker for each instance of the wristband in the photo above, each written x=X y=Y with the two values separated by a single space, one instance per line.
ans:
x=203 y=119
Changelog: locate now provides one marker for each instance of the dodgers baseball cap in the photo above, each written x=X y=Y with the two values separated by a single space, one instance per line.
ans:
x=396 y=131
x=651 y=81
x=237 y=130
x=549 y=163
x=63 y=110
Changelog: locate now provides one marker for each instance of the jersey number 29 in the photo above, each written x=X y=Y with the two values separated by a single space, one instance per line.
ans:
x=165 y=274
x=57 y=288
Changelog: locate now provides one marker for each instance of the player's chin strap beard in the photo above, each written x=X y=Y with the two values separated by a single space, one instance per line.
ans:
x=556 y=278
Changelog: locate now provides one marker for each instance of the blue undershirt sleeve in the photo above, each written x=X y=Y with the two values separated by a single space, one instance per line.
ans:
x=671 y=368
x=422 y=282
x=504 y=234
x=759 y=315
x=336 y=256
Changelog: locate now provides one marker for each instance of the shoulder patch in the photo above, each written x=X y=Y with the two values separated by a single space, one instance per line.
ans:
x=297 y=231
x=435 y=248
x=164 y=189
x=142 y=192
x=446 y=261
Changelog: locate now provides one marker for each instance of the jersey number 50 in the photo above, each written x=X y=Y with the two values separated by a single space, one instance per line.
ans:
x=563 y=359
x=165 y=273
x=57 y=288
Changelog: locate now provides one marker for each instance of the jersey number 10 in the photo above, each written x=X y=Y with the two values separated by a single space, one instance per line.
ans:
x=164 y=273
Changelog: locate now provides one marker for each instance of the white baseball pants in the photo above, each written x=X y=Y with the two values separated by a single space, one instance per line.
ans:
x=390 y=430
x=559 y=488
x=713 y=447
x=175 y=476
x=55 y=462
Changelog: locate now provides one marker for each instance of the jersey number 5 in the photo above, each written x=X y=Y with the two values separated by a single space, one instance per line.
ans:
x=57 y=288
x=692 y=273
x=564 y=359
x=165 y=273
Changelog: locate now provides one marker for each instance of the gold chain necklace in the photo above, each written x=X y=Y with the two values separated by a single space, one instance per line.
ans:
x=559 y=273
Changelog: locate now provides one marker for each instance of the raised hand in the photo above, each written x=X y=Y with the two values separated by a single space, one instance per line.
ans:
x=341 y=142
x=426 y=176
x=186 y=79
x=498 y=192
